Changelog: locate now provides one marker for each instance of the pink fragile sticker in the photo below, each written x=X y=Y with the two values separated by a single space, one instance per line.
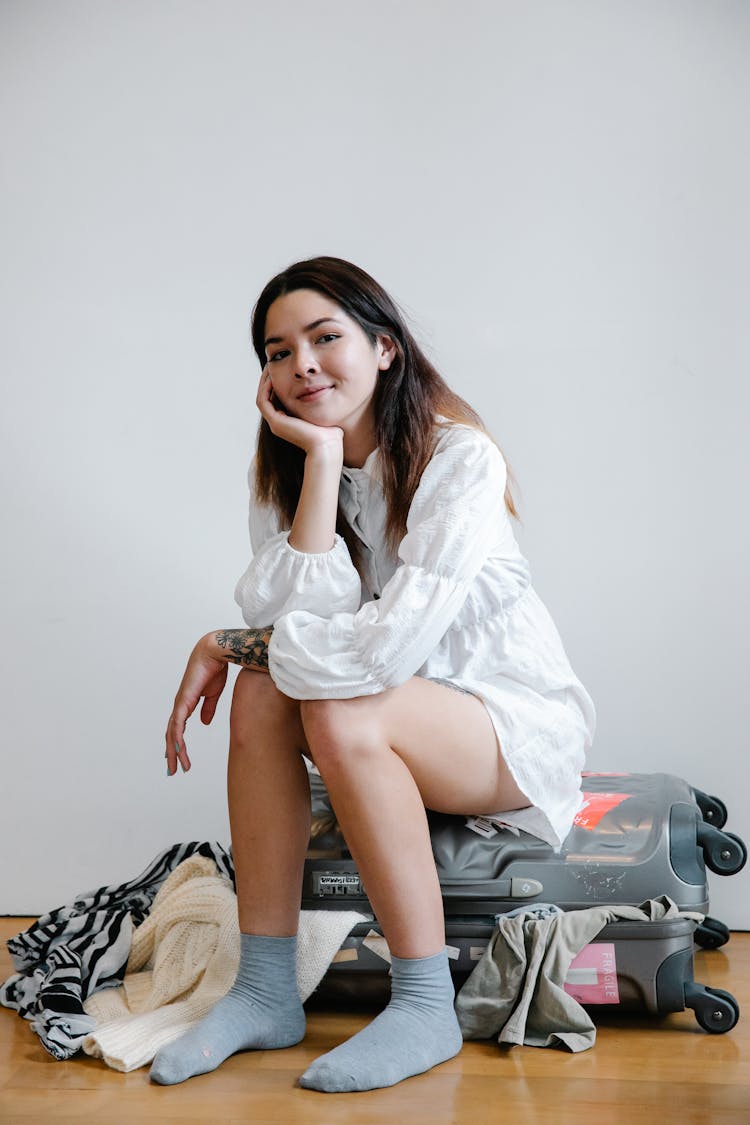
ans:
x=595 y=806
x=592 y=976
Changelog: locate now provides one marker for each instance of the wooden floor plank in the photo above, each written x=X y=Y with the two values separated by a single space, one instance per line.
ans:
x=670 y=1069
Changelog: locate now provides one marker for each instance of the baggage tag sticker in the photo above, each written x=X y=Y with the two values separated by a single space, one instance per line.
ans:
x=595 y=806
x=377 y=944
x=488 y=826
x=482 y=825
x=348 y=954
x=592 y=976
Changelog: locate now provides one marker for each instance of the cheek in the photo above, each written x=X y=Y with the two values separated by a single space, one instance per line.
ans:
x=287 y=403
x=354 y=365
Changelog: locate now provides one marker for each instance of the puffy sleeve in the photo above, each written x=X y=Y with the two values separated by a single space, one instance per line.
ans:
x=281 y=579
x=451 y=526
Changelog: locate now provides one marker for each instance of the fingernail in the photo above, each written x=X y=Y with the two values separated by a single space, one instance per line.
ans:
x=168 y=773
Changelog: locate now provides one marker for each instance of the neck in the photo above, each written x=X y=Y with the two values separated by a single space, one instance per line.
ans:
x=357 y=449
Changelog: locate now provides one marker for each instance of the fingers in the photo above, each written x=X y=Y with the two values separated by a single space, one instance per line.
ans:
x=212 y=693
x=200 y=678
x=265 y=392
x=208 y=710
x=182 y=754
x=269 y=404
x=176 y=754
x=176 y=751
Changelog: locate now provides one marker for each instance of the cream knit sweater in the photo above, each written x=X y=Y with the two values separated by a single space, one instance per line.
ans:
x=184 y=958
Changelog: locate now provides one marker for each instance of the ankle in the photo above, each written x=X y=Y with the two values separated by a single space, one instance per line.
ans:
x=422 y=981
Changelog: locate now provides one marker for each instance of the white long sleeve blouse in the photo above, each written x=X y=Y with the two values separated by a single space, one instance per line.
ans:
x=455 y=603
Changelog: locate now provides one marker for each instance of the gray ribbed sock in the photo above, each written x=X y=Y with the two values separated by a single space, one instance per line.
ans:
x=262 y=1009
x=418 y=1030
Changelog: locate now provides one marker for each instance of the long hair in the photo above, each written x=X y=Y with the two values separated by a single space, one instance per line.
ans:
x=407 y=397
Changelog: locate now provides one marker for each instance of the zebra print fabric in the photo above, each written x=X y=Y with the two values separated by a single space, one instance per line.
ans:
x=83 y=946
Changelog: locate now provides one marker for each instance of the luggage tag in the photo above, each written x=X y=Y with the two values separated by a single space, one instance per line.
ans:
x=488 y=826
x=377 y=944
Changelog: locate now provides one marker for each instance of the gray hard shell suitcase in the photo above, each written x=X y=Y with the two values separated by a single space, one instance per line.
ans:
x=637 y=837
x=646 y=966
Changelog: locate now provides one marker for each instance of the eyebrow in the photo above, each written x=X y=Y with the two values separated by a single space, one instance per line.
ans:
x=307 y=328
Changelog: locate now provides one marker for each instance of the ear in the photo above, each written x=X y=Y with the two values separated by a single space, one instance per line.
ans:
x=387 y=348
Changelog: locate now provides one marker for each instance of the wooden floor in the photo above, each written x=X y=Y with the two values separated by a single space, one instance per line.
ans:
x=638 y=1070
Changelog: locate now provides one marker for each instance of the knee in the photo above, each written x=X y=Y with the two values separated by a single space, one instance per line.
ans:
x=256 y=700
x=338 y=731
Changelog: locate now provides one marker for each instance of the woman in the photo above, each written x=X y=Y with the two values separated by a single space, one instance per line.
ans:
x=395 y=640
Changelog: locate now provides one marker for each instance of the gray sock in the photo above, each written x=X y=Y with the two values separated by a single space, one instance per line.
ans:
x=418 y=1030
x=262 y=1009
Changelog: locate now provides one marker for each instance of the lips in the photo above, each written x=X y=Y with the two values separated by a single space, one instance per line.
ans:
x=313 y=393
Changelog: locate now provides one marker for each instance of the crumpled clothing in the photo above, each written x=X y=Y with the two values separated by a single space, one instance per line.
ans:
x=516 y=989
x=184 y=958
x=536 y=910
x=83 y=947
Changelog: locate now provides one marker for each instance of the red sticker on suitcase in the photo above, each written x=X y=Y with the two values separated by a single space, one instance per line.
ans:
x=595 y=806
x=592 y=976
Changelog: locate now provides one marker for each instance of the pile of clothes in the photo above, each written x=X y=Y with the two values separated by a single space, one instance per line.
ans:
x=123 y=970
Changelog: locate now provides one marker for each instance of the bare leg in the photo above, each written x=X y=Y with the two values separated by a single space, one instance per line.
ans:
x=383 y=758
x=382 y=816
x=269 y=804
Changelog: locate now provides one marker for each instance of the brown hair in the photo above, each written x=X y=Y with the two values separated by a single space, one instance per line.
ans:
x=407 y=397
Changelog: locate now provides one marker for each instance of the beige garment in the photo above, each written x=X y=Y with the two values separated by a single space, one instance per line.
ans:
x=516 y=989
x=184 y=957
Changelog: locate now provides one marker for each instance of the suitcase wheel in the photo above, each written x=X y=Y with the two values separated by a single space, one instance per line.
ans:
x=723 y=852
x=711 y=934
x=713 y=810
x=716 y=1011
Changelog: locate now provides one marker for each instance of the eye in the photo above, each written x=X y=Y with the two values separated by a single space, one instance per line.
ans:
x=327 y=336
x=275 y=356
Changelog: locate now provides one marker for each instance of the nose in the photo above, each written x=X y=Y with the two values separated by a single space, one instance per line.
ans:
x=304 y=364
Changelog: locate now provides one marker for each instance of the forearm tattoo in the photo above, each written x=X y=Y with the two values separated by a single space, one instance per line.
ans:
x=248 y=647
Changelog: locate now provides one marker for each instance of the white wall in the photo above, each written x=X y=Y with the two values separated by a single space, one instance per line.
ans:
x=555 y=191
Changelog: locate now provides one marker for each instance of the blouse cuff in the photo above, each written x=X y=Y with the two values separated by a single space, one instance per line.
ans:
x=313 y=556
x=338 y=672
x=281 y=579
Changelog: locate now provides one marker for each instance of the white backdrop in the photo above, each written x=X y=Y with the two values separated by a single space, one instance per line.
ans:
x=556 y=193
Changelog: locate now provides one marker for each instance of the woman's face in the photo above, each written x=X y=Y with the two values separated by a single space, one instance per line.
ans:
x=312 y=343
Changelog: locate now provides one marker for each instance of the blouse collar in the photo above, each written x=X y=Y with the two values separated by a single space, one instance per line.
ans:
x=369 y=469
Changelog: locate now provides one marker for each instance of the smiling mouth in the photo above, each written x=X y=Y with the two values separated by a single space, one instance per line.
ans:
x=314 y=394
